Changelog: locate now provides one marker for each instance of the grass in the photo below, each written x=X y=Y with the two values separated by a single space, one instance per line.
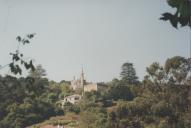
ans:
x=69 y=120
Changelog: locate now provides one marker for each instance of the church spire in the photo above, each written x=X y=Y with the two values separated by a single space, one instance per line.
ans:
x=82 y=81
x=82 y=71
x=82 y=77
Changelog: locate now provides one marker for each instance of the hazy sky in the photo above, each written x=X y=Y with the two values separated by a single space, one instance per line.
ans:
x=98 y=35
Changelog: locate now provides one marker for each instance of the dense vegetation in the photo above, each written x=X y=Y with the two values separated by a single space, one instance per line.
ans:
x=161 y=100
x=25 y=101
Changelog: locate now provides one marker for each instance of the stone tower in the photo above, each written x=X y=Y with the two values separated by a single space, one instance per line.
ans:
x=82 y=81
x=82 y=84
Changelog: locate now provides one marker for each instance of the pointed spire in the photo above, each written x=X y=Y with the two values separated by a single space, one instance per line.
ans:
x=82 y=81
x=82 y=74
x=82 y=71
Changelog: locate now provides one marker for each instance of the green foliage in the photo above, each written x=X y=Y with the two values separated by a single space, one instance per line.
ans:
x=162 y=106
x=155 y=73
x=182 y=14
x=93 y=119
x=18 y=57
x=69 y=107
x=117 y=104
x=87 y=120
x=162 y=109
x=25 y=102
x=88 y=101
x=92 y=114
x=57 y=91
x=38 y=72
x=175 y=71
x=118 y=91
x=128 y=74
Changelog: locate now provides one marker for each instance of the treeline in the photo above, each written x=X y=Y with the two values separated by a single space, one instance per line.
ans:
x=30 y=100
x=161 y=100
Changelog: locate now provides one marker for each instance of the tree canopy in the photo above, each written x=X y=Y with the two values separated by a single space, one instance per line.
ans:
x=128 y=73
x=182 y=15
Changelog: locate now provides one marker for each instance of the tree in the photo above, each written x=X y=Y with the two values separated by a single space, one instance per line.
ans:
x=119 y=91
x=38 y=73
x=155 y=73
x=87 y=119
x=175 y=71
x=18 y=57
x=182 y=14
x=161 y=109
x=113 y=120
x=26 y=102
x=128 y=73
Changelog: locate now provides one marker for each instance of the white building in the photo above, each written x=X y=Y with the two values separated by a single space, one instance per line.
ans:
x=71 y=99
x=78 y=84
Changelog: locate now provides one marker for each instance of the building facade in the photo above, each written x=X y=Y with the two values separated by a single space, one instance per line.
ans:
x=82 y=84
x=71 y=99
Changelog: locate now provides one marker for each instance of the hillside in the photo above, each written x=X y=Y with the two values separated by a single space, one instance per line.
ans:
x=70 y=120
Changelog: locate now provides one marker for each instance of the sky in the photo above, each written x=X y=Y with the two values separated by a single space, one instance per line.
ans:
x=96 y=35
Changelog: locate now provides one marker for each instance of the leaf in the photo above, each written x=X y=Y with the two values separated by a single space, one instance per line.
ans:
x=18 y=69
x=27 y=66
x=172 y=18
x=15 y=69
x=22 y=62
x=184 y=21
x=16 y=57
x=26 y=42
x=30 y=36
x=174 y=3
x=18 y=38
x=166 y=16
x=30 y=80
x=11 y=65
x=182 y=14
x=32 y=66
x=174 y=22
